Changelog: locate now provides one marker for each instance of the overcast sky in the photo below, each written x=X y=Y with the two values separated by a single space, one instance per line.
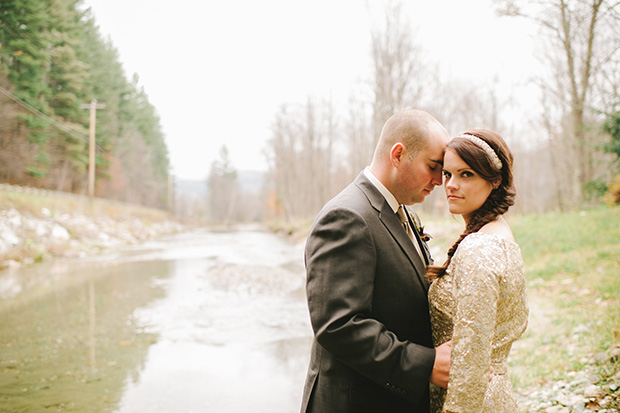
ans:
x=217 y=71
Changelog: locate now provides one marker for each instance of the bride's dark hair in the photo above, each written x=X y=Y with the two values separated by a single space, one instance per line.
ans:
x=500 y=199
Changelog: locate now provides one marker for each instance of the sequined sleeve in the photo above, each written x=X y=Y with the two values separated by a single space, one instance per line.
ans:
x=477 y=268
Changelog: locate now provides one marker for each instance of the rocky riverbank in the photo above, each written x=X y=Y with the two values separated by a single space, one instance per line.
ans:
x=40 y=225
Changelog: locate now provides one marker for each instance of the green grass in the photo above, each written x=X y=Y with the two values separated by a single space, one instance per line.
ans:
x=572 y=263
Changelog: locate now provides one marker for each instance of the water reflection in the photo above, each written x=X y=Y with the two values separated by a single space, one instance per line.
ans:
x=207 y=321
x=71 y=343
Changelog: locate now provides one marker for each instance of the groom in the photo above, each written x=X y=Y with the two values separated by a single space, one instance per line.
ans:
x=367 y=294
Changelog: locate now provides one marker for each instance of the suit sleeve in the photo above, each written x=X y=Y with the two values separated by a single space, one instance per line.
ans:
x=341 y=264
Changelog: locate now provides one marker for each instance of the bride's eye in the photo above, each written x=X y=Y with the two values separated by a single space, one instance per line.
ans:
x=446 y=174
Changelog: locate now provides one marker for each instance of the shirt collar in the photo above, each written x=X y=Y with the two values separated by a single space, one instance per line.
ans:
x=391 y=199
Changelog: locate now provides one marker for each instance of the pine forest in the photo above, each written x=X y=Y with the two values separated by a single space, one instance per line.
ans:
x=53 y=64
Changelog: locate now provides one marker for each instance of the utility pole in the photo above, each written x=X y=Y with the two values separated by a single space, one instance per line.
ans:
x=91 y=145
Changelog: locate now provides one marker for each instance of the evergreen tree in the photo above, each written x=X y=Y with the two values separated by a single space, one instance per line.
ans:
x=53 y=62
x=24 y=61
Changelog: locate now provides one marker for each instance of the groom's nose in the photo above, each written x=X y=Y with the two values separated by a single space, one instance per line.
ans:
x=437 y=178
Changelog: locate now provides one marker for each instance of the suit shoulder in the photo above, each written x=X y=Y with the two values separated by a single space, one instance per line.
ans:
x=352 y=198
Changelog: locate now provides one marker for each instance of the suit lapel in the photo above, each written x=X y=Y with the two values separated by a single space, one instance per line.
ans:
x=393 y=225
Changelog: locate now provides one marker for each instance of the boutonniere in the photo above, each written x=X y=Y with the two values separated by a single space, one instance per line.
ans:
x=418 y=226
x=425 y=237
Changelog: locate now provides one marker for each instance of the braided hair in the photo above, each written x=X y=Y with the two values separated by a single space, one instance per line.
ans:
x=500 y=198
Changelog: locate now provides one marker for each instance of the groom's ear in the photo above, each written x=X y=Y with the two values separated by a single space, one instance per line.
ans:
x=397 y=154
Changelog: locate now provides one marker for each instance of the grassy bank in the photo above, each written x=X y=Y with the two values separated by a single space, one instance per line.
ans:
x=34 y=202
x=573 y=269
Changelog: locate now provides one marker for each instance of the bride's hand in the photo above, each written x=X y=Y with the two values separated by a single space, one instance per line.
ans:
x=441 y=367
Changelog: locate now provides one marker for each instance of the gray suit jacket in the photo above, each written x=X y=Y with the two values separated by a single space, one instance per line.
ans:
x=367 y=296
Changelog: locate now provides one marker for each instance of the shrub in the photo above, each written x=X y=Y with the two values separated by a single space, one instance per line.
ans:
x=612 y=196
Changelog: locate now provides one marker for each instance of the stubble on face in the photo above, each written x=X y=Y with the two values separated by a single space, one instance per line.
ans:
x=422 y=175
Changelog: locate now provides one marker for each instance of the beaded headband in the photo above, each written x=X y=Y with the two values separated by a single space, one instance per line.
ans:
x=485 y=147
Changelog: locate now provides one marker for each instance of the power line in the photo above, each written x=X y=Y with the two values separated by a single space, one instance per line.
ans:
x=53 y=122
x=47 y=118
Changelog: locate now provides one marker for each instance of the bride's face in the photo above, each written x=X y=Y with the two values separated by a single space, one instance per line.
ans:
x=465 y=189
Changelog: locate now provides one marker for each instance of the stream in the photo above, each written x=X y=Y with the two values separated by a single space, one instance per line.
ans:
x=208 y=321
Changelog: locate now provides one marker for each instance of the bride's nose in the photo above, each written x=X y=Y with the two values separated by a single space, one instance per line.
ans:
x=451 y=183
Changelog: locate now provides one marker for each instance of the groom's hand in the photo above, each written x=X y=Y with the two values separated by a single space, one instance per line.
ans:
x=441 y=368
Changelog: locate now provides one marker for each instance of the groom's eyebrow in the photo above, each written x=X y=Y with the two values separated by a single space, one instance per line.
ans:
x=440 y=162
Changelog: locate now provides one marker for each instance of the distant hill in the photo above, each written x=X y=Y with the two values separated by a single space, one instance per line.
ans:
x=250 y=182
x=191 y=188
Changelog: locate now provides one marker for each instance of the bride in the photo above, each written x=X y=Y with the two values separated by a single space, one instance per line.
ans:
x=478 y=297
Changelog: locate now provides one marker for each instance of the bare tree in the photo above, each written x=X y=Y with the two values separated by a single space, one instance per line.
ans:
x=282 y=157
x=396 y=83
x=397 y=62
x=580 y=40
x=359 y=135
x=301 y=157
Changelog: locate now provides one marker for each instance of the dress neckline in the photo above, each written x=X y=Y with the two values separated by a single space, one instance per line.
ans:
x=493 y=235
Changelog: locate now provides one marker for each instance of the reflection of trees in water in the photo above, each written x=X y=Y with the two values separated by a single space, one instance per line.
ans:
x=75 y=343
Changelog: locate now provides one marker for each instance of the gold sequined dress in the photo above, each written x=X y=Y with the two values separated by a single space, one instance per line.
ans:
x=480 y=304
